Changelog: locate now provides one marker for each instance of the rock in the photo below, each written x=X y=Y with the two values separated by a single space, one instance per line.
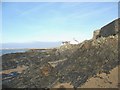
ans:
x=67 y=63
x=96 y=34
x=55 y=63
x=46 y=70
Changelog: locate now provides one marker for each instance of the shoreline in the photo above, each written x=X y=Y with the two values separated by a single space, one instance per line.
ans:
x=15 y=51
x=26 y=48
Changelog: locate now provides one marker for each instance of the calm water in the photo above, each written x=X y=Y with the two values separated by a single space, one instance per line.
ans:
x=6 y=51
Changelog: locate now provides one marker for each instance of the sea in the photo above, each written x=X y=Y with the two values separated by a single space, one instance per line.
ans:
x=7 y=51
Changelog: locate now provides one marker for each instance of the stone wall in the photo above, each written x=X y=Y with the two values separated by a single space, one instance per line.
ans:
x=110 y=29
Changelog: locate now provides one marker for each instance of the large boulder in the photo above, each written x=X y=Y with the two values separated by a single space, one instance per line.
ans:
x=96 y=34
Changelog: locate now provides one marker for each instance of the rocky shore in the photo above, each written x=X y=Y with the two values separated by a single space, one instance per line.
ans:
x=69 y=65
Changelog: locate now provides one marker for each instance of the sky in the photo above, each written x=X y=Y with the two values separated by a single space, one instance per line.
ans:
x=54 y=21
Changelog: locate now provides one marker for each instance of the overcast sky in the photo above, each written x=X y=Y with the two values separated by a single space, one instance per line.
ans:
x=30 y=21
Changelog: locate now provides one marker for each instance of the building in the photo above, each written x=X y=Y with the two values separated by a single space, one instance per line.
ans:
x=65 y=43
x=74 y=41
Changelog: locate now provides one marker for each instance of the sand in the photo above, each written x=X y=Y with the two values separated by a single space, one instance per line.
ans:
x=19 y=69
x=103 y=80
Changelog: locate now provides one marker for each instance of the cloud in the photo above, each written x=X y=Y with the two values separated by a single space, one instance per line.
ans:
x=32 y=10
x=90 y=13
x=39 y=7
